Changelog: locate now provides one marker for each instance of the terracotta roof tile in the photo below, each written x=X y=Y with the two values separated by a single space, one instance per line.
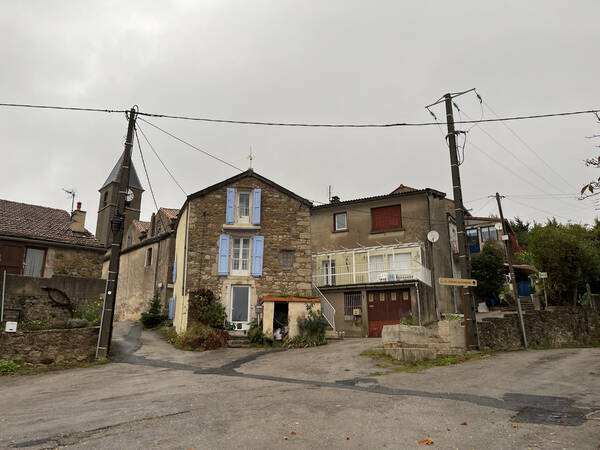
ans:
x=171 y=213
x=41 y=222
x=141 y=226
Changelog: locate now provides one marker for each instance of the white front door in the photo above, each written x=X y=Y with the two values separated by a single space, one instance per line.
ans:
x=239 y=313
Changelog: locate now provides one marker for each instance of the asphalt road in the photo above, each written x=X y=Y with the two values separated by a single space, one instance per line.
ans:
x=158 y=397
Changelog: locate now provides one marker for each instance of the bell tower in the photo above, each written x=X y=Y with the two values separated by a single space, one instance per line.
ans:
x=109 y=195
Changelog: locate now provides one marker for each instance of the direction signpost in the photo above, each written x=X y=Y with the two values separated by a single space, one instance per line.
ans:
x=462 y=282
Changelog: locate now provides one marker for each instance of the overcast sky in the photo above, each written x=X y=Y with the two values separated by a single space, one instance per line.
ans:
x=302 y=61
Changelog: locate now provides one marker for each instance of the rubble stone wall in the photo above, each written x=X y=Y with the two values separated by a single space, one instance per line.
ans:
x=554 y=329
x=50 y=346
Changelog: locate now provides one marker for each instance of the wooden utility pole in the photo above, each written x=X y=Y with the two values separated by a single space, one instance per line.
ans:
x=116 y=226
x=459 y=211
x=511 y=270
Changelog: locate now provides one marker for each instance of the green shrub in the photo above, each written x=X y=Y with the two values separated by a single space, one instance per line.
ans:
x=200 y=336
x=153 y=317
x=91 y=312
x=8 y=367
x=255 y=333
x=311 y=328
x=205 y=308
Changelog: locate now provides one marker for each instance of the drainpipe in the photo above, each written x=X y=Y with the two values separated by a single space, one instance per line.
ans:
x=156 y=268
x=4 y=290
x=418 y=301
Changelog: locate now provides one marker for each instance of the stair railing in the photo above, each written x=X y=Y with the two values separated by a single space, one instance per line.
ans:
x=326 y=307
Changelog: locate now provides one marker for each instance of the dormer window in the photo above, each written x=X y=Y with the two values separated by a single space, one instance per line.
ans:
x=243 y=207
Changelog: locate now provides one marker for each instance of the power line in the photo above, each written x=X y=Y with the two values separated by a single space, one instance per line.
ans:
x=63 y=108
x=191 y=145
x=298 y=124
x=137 y=138
x=541 y=210
x=161 y=161
x=567 y=183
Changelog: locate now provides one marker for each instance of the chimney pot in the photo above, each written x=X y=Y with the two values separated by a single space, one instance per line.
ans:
x=78 y=206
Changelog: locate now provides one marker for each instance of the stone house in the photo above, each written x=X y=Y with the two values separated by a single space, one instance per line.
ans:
x=248 y=240
x=39 y=241
x=374 y=264
x=146 y=265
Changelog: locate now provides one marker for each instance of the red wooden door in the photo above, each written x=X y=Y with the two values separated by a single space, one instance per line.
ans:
x=12 y=257
x=386 y=308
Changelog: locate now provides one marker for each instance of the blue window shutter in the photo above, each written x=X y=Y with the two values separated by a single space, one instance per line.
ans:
x=256 y=207
x=229 y=211
x=223 y=268
x=175 y=269
x=257 y=255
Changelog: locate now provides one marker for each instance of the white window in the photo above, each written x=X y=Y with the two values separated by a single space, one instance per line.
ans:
x=328 y=272
x=340 y=221
x=240 y=256
x=243 y=207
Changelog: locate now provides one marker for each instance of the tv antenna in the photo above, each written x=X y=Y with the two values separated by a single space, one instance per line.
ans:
x=71 y=193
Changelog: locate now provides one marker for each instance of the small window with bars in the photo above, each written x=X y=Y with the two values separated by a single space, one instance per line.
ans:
x=287 y=259
x=352 y=301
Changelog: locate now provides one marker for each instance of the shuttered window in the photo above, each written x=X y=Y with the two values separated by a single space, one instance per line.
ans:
x=386 y=218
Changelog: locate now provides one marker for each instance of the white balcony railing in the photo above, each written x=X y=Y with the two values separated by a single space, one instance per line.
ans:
x=376 y=265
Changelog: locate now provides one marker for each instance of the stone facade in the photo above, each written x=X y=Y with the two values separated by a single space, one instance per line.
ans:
x=73 y=262
x=51 y=300
x=553 y=329
x=50 y=346
x=284 y=223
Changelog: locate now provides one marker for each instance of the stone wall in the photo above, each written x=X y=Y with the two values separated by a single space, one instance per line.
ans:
x=558 y=328
x=50 y=346
x=73 y=262
x=51 y=300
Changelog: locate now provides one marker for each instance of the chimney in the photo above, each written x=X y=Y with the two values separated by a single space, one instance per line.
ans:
x=335 y=199
x=78 y=220
x=152 y=224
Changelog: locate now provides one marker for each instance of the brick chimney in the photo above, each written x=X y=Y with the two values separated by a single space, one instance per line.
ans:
x=78 y=220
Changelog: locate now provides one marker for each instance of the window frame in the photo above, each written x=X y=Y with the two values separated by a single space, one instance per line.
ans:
x=149 y=257
x=43 y=268
x=242 y=219
x=282 y=259
x=335 y=224
x=350 y=306
x=487 y=229
x=385 y=230
x=239 y=271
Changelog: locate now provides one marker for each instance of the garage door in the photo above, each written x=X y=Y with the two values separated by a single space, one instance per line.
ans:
x=387 y=308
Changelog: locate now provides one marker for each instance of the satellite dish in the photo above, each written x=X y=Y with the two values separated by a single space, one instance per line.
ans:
x=433 y=236
x=129 y=195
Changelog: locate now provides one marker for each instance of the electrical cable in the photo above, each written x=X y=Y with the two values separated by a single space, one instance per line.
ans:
x=161 y=161
x=146 y=170
x=190 y=145
x=541 y=210
x=298 y=124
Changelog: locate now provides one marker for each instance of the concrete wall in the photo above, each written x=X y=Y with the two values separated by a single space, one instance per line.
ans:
x=73 y=262
x=138 y=281
x=55 y=303
x=50 y=346
x=559 y=328
x=295 y=311
x=285 y=225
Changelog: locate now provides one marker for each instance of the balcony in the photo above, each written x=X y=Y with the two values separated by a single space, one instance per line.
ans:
x=383 y=264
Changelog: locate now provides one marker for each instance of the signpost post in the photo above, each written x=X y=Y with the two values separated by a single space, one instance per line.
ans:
x=543 y=276
x=462 y=282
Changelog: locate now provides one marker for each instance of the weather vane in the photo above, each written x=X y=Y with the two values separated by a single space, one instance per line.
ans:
x=250 y=157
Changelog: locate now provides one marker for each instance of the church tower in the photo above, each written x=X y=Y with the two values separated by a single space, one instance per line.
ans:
x=109 y=195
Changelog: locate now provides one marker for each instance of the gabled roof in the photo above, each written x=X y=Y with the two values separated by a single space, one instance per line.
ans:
x=171 y=213
x=381 y=197
x=246 y=174
x=142 y=227
x=114 y=176
x=403 y=188
x=41 y=223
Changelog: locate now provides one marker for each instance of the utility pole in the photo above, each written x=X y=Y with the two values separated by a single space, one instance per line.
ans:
x=116 y=226
x=459 y=210
x=511 y=270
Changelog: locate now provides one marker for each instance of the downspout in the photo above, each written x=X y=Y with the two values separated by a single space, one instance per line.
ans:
x=418 y=301
x=430 y=245
x=4 y=291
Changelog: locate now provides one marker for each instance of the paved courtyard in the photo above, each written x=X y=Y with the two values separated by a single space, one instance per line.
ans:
x=157 y=397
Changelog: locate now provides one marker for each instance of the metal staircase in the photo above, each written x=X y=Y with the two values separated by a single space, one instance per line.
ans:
x=326 y=307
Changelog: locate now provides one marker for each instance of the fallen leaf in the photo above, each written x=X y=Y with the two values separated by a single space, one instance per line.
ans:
x=560 y=421
x=464 y=423
x=348 y=438
x=293 y=432
x=515 y=425
x=426 y=442
x=285 y=438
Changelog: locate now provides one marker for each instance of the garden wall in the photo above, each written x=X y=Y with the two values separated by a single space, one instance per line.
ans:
x=51 y=300
x=50 y=346
x=552 y=329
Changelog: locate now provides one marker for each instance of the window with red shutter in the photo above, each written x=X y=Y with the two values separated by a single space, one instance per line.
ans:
x=386 y=218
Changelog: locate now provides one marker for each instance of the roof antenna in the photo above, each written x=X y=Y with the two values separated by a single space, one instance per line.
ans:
x=250 y=157
x=71 y=193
